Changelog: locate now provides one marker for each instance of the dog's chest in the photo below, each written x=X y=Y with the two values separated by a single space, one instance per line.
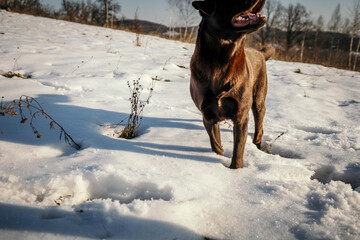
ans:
x=231 y=80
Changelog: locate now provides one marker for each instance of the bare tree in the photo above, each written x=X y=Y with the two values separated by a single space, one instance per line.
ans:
x=308 y=24
x=355 y=12
x=187 y=15
x=85 y=12
x=333 y=26
x=346 y=26
x=319 y=27
x=71 y=9
x=172 y=5
x=294 y=22
x=335 y=21
x=77 y=11
x=273 y=10
x=108 y=9
x=99 y=13
x=137 y=28
x=356 y=55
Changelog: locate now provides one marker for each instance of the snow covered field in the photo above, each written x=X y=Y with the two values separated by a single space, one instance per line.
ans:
x=166 y=183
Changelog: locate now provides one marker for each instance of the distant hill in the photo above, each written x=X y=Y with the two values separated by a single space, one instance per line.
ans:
x=146 y=27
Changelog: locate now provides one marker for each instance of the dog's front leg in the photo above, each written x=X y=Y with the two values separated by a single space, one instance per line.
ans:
x=213 y=130
x=240 y=135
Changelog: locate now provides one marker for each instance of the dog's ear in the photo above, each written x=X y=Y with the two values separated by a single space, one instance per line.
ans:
x=206 y=7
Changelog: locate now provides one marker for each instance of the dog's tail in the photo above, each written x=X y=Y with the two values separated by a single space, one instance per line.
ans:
x=268 y=52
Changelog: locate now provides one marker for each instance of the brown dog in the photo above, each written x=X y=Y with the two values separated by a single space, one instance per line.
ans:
x=227 y=79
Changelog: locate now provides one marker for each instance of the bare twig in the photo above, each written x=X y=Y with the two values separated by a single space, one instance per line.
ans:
x=268 y=148
x=81 y=64
x=35 y=110
x=16 y=62
x=166 y=62
x=61 y=199
x=106 y=231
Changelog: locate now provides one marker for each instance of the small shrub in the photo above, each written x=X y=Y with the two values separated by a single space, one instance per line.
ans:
x=137 y=107
x=298 y=71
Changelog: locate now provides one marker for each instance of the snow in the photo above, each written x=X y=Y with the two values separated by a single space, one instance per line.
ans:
x=166 y=183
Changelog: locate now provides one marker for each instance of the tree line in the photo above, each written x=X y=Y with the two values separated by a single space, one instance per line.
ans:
x=291 y=29
x=98 y=12
x=299 y=37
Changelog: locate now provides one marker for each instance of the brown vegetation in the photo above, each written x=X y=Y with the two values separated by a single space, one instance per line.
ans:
x=14 y=74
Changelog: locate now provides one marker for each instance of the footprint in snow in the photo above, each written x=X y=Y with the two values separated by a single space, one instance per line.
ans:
x=351 y=175
x=282 y=152
x=117 y=188
x=348 y=103
x=270 y=148
x=317 y=130
x=53 y=213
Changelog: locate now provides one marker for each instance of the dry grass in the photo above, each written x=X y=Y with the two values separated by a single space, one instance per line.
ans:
x=13 y=74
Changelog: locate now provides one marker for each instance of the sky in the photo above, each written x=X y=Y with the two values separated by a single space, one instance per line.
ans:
x=157 y=10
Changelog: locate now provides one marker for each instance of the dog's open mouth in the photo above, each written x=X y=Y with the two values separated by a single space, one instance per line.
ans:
x=249 y=17
x=245 y=19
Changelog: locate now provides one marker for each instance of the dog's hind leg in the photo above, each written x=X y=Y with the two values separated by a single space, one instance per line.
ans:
x=213 y=130
x=258 y=109
x=259 y=114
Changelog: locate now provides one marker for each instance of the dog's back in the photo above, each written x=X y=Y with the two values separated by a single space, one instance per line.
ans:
x=257 y=62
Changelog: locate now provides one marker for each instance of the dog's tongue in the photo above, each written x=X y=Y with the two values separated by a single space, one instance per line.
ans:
x=242 y=20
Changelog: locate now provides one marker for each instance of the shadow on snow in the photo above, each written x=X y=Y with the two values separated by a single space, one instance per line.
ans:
x=91 y=222
x=83 y=125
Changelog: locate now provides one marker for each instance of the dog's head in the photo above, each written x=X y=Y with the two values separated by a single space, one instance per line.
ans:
x=235 y=17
